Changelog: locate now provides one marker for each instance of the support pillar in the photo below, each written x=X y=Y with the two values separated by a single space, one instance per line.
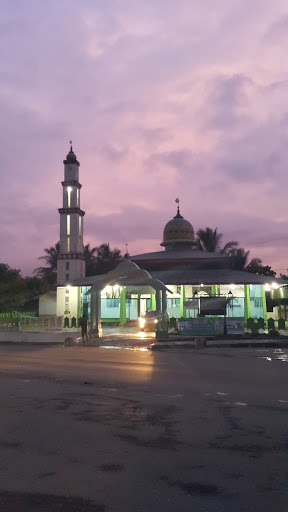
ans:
x=122 y=307
x=158 y=302
x=152 y=302
x=95 y=315
x=213 y=289
x=264 y=304
x=182 y=298
x=164 y=326
x=247 y=307
x=79 y=304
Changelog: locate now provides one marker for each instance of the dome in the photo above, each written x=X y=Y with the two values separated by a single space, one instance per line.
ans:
x=178 y=233
x=71 y=157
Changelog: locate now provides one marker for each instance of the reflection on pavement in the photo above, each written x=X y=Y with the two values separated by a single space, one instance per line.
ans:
x=129 y=338
x=126 y=332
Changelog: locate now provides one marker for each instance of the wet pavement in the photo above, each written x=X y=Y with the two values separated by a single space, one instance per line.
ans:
x=92 y=429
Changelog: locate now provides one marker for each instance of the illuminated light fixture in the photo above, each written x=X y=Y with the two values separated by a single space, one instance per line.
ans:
x=69 y=189
x=68 y=287
x=267 y=287
x=201 y=284
x=275 y=286
x=115 y=287
x=232 y=286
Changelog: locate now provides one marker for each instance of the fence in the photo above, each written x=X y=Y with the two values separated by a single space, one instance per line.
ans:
x=19 y=322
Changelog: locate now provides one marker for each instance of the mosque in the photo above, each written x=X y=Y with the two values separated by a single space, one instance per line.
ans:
x=178 y=281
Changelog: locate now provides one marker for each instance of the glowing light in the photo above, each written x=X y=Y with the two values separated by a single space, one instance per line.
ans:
x=68 y=287
x=116 y=287
x=202 y=284
x=141 y=322
x=69 y=189
x=275 y=286
x=156 y=321
x=267 y=287
x=232 y=286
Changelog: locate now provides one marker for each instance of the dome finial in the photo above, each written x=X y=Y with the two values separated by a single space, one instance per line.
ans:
x=178 y=215
x=126 y=255
x=71 y=149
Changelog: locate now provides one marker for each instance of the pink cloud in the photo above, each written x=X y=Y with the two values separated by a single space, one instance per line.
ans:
x=160 y=102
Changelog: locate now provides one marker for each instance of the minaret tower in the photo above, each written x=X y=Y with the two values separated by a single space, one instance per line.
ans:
x=71 y=264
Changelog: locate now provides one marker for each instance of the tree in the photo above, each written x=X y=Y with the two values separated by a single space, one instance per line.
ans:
x=107 y=259
x=98 y=260
x=255 y=267
x=12 y=289
x=239 y=259
x=90 y=260
x=210 y=240
x=49 y=273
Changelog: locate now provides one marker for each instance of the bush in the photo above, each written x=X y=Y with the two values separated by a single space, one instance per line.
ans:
x=273 y=333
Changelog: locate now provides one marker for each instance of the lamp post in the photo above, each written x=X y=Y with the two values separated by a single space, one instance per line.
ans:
x=230 y=294
x=195 y=296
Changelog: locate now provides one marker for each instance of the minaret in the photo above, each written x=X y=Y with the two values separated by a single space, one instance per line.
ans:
x=71 y=264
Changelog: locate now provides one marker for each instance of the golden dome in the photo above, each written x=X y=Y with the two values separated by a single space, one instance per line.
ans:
x=178 y=233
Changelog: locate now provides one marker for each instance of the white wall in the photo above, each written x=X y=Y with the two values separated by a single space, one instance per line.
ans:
x=47 y=305
x=67 y=300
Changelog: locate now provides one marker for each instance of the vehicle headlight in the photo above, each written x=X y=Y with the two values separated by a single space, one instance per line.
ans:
x=141 y=322
x=156 y=321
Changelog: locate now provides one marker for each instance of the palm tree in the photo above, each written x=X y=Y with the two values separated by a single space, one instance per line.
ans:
x=90 y=260
x=107 y=259
x=48 y=273
x=239 y=258
x=210 y=240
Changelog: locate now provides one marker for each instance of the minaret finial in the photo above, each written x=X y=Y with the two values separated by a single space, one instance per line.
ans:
x=70 y=142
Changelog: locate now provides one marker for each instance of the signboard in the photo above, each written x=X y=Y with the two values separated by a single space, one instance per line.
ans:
x=235 y=325
x=213 y=305
x=201 y=326
x=191 y=304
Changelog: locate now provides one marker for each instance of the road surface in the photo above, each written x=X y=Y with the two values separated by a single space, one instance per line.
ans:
x=92 y=429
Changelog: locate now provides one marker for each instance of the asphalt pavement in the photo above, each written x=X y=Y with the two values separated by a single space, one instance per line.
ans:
x=120 y=429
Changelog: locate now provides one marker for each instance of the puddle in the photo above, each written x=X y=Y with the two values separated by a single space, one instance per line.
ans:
x=113 y=468
x=194 y=488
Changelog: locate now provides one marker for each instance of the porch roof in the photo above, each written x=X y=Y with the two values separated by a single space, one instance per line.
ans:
x=211 y=276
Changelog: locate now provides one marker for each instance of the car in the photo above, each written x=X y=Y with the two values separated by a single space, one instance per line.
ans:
x=149 y=321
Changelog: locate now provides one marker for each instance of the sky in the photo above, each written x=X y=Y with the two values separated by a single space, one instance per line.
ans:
x=162 y=99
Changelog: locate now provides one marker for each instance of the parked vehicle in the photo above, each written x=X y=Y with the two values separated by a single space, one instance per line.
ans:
x=149 y=321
